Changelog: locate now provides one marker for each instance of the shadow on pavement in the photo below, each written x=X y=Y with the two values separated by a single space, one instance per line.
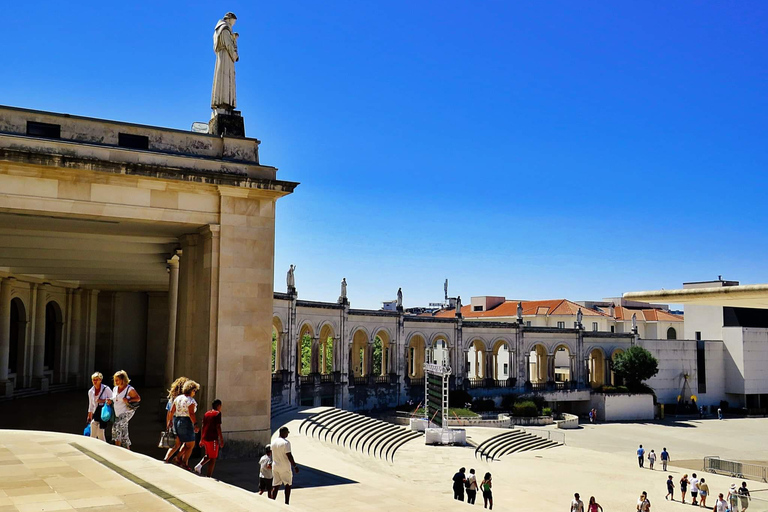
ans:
x=245 y=473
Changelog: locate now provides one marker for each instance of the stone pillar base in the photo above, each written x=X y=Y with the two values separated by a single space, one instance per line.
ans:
x=6 y=388
x=40 y=383
x=230 y=125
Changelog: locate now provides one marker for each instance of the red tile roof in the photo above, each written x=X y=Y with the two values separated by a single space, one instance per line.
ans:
x=648 y=315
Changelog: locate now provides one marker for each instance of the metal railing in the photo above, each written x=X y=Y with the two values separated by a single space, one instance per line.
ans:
x=417 y=382
x=327 y=378
x=734 y=468
x=360 y=381
x=382 y=379
x=306 y=379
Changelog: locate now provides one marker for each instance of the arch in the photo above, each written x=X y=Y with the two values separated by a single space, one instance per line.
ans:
x=440 y=349
x=597 y=367
x=381 y=352
x=17 y=339
x=54 y=321
x=417 y=344
x=277 y=343
x=438 y=336
x=501 y=365
x=538 y=364
x=304 y=349
x=326 y=354
x=476 y=356
x=562 y=370
x=671 y=333
x=360 y=355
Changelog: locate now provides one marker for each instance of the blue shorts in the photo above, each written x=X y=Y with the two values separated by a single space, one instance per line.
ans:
x=185 y=430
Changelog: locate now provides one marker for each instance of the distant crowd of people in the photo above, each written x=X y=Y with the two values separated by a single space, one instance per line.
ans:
x=462 y=482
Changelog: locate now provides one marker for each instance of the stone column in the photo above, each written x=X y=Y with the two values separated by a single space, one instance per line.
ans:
x=66 y=334
x=173 y=300
x=89 y=357
x=527 y=370
x=550 y=367
x=6 y=389
x=510 y=363
x=75 y=339
x=314 y=363
x=38 y=348
x=5 y=328
x=488 y=359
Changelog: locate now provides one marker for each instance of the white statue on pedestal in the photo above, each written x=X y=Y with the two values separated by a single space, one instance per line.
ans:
x=399 y=297
x=290 y=281
x=223 y=96
x=343 y=290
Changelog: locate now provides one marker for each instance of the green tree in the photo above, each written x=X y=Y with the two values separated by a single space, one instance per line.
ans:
x=306 y=354
x=634 y=366
x=274 y=349
x=329 y=355
x=377 y=356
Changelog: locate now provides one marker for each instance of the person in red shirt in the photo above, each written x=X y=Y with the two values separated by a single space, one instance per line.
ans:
x=210 y=438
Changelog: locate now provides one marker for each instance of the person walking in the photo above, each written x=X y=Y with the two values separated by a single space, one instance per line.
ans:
x=643 y=504
x=265 y=471
x=594 y=416
x=593 y=505
x=664 y=459
x=576 y=504
x=283 y=465
x=703 y=492
x=458 y=484
x=125 y=401
x=211 y=438
x=97 y=397
x=173 y=392
x=733 y=498
x=640 y=456
x=684 y=485
x=720 y=505
x=694 y=489
x=471 y=487
x=719 y=413
x=486 y=486
x=184 y=411
x=670 y=489
x=652 y=458
x=744 y=496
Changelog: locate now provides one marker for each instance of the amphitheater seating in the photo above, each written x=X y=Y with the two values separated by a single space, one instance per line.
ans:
x=512 y=441
x=357 y=433
x=279 y=407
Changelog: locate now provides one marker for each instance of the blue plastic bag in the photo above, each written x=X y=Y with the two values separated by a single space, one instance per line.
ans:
x=107 y=413
x=87 y=431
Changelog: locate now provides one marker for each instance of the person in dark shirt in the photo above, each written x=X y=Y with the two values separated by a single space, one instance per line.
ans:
x=211 y=438
x=458 y=485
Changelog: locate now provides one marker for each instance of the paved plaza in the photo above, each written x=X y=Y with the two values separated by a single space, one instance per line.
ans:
x=53 y=471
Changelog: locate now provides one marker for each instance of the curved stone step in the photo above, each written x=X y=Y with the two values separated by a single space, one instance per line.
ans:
x=536 y=443
x=313 y=418
x=510 y=445
x=380 y=434
x=333 y=424
x=353 y=428
x=390 y=439
x=490 y=445
x=321 y=424
x=399 y=445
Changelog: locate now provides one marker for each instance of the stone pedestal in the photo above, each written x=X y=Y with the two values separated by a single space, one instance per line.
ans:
x=230 y=124
x=40 y=383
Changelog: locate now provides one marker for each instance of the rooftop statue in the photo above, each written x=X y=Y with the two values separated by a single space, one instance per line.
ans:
x=223 y=96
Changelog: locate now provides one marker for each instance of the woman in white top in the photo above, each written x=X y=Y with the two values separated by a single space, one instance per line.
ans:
x=185 y=422
x=97 y=397
x=125 y=400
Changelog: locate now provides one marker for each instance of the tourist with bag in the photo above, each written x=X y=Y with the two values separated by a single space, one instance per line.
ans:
x=97 y=397
x=125 y=400
x=184 y=421
x=173 y=444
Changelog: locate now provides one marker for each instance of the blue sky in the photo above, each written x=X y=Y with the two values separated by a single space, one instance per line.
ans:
x=526 y=149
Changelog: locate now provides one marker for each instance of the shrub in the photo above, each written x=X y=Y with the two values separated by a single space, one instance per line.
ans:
x=508 y=401
x=483 y=405
x=525 y=409
x=547 y=411
x=459 y=398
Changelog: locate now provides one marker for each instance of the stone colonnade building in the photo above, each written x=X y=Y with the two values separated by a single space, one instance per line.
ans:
x=138 y=248
x=328 y=353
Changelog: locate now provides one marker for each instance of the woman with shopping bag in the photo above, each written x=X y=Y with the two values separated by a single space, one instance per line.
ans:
x=97 y=397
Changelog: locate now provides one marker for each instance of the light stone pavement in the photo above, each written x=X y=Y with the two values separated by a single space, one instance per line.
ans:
x=44 y=471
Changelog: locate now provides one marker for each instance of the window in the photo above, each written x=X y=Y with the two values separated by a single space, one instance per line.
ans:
x=127 y=140
x=527 y=323
x=698 y=335
x=594 y=326
x=477 y=308
x=561 y=325
x=701 y=367
x=47 y=130
x=613 y=329
x=671 y=333
x=506 y=368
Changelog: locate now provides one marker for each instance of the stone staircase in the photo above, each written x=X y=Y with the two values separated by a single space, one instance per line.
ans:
x=513 y=441
x=29 y=392
x=279 y=407
x=358 y=433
